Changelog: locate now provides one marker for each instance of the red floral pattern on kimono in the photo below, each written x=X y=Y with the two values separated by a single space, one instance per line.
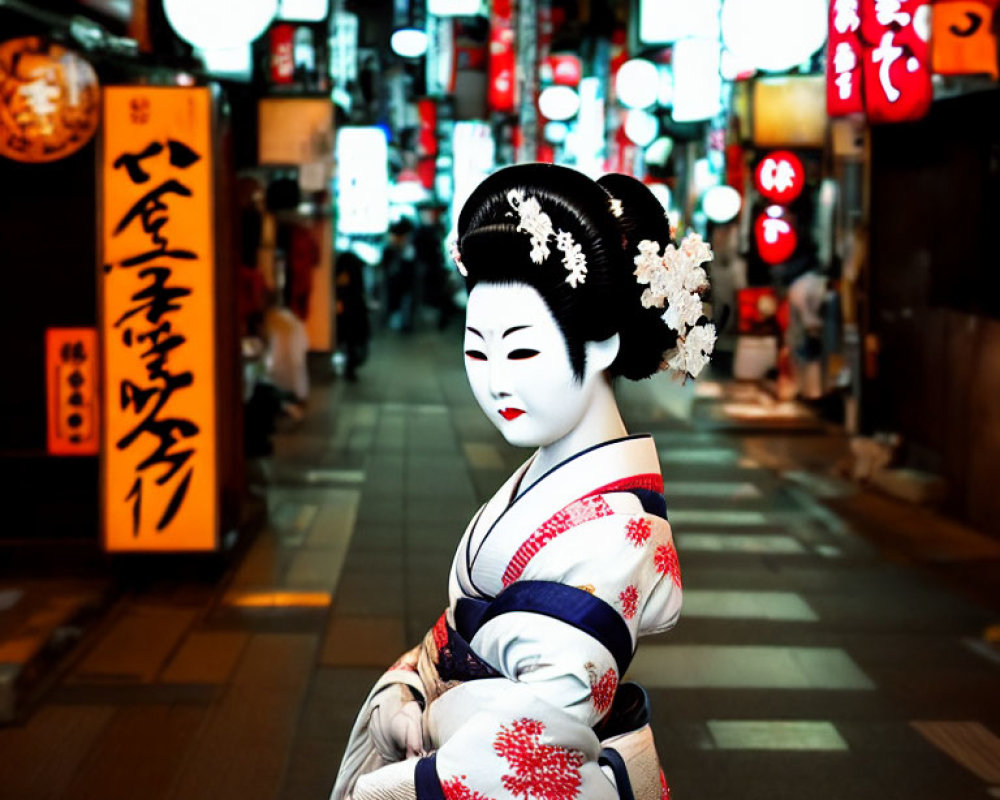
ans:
x=455 y=789
x=541 y=771
x=666 y=562
x=637 y=531
x=629 y=599
x=602 y=690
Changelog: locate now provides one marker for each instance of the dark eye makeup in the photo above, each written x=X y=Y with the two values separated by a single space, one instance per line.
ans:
x=521 y=353
x=475 y=355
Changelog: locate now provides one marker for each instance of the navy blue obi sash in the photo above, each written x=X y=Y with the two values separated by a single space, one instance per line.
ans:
x=426 y=780
x=568 y=604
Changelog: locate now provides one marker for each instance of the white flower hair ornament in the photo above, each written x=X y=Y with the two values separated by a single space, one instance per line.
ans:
x=538 y=225
x=676 y=280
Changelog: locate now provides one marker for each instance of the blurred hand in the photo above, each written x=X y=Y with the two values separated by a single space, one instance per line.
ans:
x=395 y=724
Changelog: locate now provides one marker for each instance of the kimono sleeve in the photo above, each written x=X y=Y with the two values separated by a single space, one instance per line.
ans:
x=569 y=621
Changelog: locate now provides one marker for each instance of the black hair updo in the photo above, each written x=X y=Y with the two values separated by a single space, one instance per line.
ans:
x=607 y=218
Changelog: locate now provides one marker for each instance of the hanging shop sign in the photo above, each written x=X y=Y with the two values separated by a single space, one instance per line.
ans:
x=879 y=52
x=362 y=180
x=500 y=92
x=159 y=475
x=963 y=41
x=843 y=60
x=775 y=235
x=780 y=176
x=282 y=41
x=71 y=389
x=49 y=100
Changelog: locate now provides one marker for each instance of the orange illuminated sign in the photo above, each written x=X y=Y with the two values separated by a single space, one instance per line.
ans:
x=71 y=383
x=159 y=471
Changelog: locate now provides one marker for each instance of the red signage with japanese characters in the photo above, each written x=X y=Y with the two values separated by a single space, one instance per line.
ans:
x=71 y=378
x=780 y=176
x=843 y=60
x=775 y=235
x=889 y=40
x=159 y=474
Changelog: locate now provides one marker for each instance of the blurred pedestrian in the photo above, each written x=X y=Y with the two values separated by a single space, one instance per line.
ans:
x=399 y=271
x=353 y=327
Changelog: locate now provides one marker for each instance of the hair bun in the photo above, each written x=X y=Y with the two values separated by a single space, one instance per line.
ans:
x=640 y=217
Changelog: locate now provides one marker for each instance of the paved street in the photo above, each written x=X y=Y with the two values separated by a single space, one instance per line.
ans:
x=831 y=645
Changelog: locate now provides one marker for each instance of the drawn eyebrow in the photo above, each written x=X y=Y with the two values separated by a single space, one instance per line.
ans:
x=473 y=330
x=512 y=330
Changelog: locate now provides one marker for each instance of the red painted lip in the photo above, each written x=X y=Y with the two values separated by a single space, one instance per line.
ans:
x=510 y=413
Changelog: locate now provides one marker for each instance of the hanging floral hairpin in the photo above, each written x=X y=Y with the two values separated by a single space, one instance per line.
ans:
x=676 y=280
x=538 y=225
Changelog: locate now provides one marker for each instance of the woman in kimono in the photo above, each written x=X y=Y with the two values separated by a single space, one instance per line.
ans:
x=516 y=692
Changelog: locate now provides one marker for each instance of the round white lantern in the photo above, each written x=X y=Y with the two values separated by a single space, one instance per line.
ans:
x=637 y=83
x=219 y=24
x=558 y=103
x=774 y=35
x=659 y=151
x=408 y=42
x=721 y=203
x=641 y=127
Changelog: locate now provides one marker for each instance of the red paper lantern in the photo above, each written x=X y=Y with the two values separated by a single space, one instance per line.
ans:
x=780 y=176
x=49 y=100
x=896 y=66
x=775 y=236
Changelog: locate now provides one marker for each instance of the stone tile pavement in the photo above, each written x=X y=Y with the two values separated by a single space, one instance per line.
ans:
x=819 y=655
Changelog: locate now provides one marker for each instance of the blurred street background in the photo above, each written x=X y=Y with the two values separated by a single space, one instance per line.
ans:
x=237 y=446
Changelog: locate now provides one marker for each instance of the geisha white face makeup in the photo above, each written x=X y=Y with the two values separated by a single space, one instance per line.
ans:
x=519 y=368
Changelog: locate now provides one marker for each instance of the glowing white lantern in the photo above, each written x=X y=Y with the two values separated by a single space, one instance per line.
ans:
x=558 y=103
x=409 y=42
x=697 y=82
x=721 y=203
x=659 y=151
x=641 y=127
x=235 y=62
x=636 y=83
x=666 y=21
x=774 y=35
x=219 y=24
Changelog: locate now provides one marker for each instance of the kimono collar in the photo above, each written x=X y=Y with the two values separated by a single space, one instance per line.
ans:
x=490 y=550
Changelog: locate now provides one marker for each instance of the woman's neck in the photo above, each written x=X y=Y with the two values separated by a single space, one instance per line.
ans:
x=602 y=423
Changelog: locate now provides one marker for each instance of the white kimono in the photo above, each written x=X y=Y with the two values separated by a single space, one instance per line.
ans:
x=549 y=592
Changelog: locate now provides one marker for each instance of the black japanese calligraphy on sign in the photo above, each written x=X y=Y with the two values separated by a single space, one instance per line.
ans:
x=168 y=441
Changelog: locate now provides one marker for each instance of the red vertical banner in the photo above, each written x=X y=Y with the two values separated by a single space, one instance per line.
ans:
x=501 y=88
x=71 y=388
x=895 y=62
x=282 y=44
x=843 y=60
